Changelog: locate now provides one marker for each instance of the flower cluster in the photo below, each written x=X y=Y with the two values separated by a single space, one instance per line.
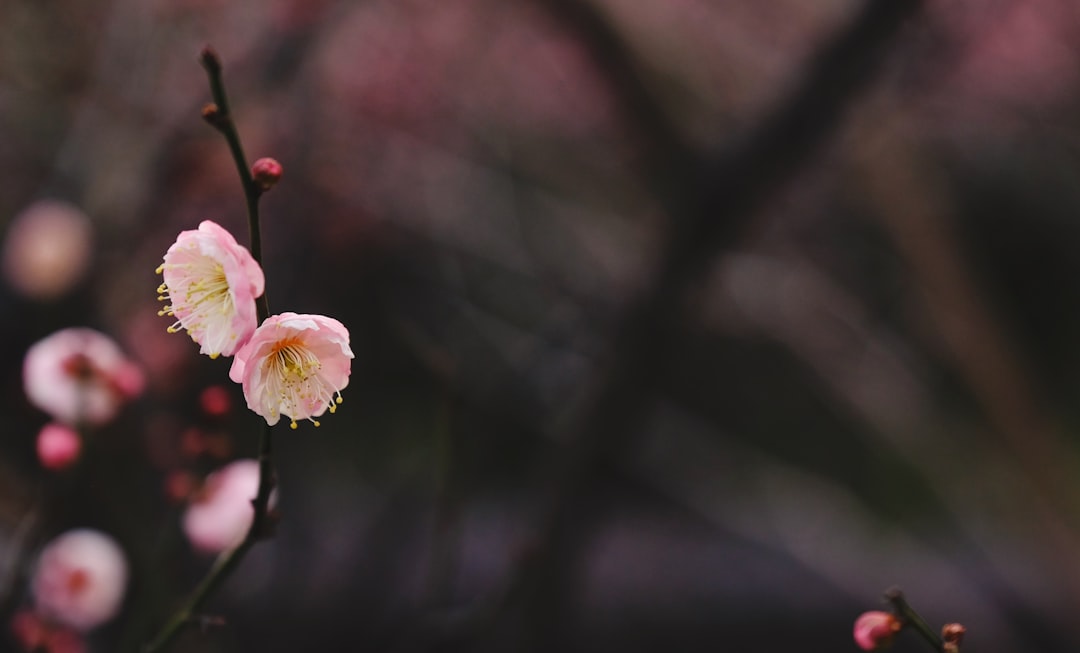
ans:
x=291 y=365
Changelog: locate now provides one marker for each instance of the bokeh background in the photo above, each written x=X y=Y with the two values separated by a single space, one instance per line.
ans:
x=673 y=333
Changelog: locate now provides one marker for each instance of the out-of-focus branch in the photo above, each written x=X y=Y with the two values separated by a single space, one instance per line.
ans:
x=710 y=201
x=918 y=217
x=615 y=60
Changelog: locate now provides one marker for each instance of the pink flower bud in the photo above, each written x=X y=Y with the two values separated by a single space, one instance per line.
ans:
x=80 y=579
x=58 y=446
x=875 y=630
x=266 y=172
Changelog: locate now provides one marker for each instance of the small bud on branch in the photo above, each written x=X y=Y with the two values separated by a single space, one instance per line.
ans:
x=953 y=634
x=266 y=172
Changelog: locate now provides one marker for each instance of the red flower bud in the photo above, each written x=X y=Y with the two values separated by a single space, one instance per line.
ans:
x=266 y=172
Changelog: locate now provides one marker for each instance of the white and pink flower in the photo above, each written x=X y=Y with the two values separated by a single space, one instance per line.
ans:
x=80 y=579
x=80 y=376
x=294 y=366
x=221 y=513
x=211 y=283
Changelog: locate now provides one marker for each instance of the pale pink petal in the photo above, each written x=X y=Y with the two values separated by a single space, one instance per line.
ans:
x=220 y=517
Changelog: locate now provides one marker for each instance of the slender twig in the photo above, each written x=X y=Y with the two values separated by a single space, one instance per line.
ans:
x=217 y=114
x=910 y=617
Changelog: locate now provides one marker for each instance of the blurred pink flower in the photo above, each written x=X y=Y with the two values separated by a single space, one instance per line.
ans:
x=47 y=249
x=294 y=365
x=221 y=513
x=875 y=630
x=211 y=283
x=58 y=446
x=79 y=375
x=80 y=579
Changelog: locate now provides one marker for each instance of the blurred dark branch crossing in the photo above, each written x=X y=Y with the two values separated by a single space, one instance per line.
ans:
x=711 y=199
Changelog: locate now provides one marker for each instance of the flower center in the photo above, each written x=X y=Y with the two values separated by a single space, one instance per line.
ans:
x=78 y=581
x=198 y=297
x=295 y=380
x=80 y=367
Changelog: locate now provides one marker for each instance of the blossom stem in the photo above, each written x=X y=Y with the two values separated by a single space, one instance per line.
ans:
x=910 y=617
x=223 y=567
x=218 y=115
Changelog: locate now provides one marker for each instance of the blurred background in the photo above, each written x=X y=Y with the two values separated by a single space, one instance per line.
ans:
x=672 y=333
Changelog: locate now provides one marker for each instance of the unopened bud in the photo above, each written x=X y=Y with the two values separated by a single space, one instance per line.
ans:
x=213 y=114
x=266 y=172
x=875 y=630
x=953 y=634
x=58 y=446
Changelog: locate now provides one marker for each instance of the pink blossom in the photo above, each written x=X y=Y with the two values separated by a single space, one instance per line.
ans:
x=58 y=446
x=211 y=283
x=80 y=579
x=79 y=375
x=875 y=630
x=221 y=514
x=294 y=365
